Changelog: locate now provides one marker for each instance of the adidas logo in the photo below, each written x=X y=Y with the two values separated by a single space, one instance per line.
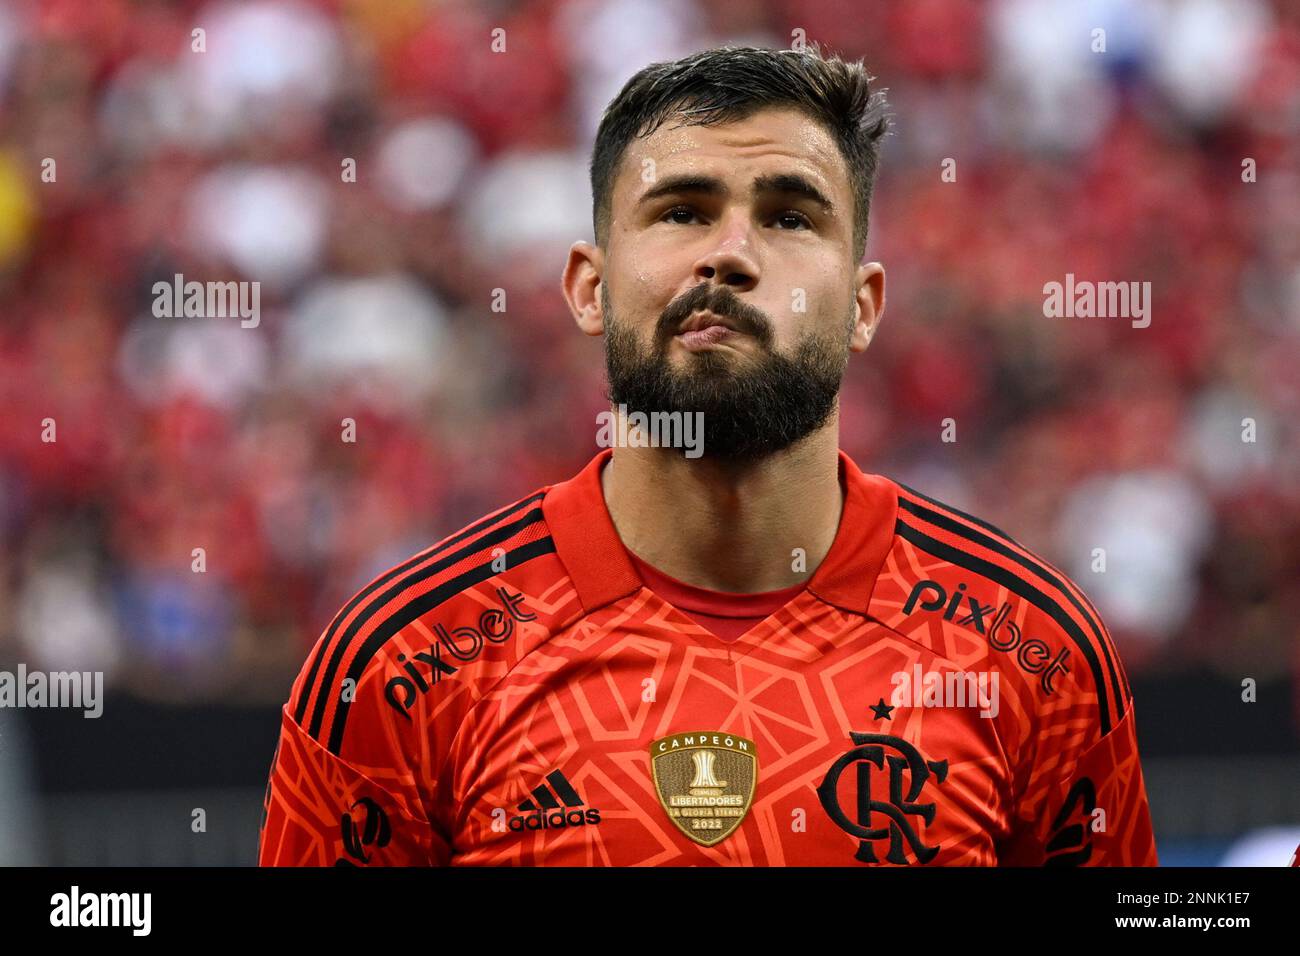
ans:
x=549 y=810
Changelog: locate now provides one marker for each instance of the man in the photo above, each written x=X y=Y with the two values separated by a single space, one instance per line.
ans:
x=739 y=651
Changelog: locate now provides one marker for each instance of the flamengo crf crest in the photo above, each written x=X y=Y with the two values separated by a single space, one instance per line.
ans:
x=907 y=767
x=705 y=782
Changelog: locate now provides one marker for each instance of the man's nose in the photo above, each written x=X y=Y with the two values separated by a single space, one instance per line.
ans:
x=730 y=260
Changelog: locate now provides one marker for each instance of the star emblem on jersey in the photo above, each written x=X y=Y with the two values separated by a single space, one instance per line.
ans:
x=705 y=782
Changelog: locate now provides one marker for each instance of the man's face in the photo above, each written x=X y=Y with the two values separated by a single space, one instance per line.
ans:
x=753 y=222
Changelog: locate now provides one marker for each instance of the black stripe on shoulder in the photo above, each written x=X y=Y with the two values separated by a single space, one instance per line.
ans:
x=1119 y=666
x=961 y=514
x=1032 y=564
x=1026 y=590
x=323 y=648
x=420 y=606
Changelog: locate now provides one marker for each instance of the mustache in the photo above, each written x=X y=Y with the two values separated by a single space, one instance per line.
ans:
x=721 y=302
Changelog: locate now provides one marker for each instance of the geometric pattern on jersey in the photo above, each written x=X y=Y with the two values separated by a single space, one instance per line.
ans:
x=523 y=661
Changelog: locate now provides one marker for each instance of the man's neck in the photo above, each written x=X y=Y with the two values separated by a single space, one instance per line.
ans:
x=727 y=527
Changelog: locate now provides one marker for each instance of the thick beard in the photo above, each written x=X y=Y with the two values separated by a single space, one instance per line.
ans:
x=753 y=406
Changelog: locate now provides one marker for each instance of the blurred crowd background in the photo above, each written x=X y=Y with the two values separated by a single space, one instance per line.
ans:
x=1132 y=164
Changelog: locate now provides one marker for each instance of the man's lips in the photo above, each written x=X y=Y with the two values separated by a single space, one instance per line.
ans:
x=699 y=321
x=705 y=337
x=705 y=329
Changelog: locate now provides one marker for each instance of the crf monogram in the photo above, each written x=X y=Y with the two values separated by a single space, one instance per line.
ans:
x=870 y=753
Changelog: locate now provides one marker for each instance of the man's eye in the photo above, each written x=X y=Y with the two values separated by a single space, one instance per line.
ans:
x=678 y=211
x=791 y=218
x=798 y=217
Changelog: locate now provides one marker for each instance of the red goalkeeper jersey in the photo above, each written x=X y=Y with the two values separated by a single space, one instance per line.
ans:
x=935 y=695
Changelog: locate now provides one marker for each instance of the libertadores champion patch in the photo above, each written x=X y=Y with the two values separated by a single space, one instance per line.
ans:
x=705 y=782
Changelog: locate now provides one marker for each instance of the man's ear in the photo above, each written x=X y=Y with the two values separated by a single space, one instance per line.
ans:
x=581 y=286
x=870 y=304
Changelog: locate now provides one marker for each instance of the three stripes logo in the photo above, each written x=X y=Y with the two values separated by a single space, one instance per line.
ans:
x=967 y=542
x=555 y=807
x=402 y=595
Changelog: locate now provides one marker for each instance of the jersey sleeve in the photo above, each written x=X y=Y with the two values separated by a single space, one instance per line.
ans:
x=1084 y=801
x=365 y=801
x=319 y=810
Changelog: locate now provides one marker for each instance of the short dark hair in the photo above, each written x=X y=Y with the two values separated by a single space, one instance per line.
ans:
x=729 y=84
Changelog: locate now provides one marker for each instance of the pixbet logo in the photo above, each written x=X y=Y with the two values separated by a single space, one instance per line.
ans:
x=1003 y=634
x=494 y=625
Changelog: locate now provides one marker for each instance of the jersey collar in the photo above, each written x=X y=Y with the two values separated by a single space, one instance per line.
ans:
x=602 y=572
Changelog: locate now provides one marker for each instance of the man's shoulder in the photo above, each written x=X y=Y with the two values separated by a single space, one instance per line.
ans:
x=449 y=618
x=505 y=550
x=951 y=575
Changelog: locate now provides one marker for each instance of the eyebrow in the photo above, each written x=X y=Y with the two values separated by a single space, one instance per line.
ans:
x=785 y=184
